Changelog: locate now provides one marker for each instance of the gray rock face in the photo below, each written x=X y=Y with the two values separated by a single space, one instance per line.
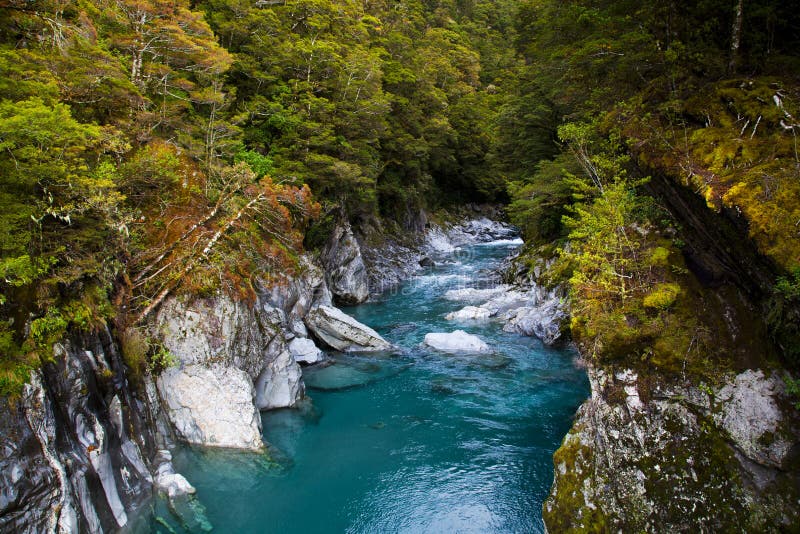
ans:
x=68 y=460
x=751 y=416
x=344 y=267
x=679 y=458
x=280 y=385
x=212 y=406
x=341 y=332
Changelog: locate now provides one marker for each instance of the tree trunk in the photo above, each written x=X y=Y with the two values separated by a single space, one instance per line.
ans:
x=736 y=37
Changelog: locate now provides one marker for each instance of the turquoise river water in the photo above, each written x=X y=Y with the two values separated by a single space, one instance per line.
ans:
x=413 y=441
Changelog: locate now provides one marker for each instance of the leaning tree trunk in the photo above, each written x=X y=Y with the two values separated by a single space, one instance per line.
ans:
x=736 y=37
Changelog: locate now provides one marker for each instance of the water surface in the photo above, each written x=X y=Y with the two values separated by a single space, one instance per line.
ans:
x=413 y=441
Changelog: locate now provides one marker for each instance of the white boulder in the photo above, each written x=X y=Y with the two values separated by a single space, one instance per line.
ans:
x=341 y=332
x=167 y=480
x=305 y=351
x=468 y=313
x=211 y=406
x=458 y=341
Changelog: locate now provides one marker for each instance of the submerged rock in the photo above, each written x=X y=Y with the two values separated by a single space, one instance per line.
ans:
x=458 y=341
x=338 y=376
x=341 y=332
x=305 y=351
x=212 y=406
x=167 y=481
x=344 y=266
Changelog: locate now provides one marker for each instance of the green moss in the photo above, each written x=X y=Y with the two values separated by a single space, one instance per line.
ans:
x=663 y=296
x=567 y=510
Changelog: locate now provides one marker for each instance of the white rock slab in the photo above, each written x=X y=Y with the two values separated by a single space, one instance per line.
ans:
x=469 y=313
x=341 y=332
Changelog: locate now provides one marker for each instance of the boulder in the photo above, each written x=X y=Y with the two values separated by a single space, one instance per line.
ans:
x=305 y=351
x=212 y=406
x=341 y=332
x=458 y=341
x=280 y=384
x=345 y=270
x=541 y=316
x=469 y=313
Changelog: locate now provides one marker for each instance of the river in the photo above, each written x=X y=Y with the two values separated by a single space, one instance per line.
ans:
x=413 y=441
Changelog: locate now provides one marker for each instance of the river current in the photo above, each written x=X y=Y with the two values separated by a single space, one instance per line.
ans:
x=412 y=441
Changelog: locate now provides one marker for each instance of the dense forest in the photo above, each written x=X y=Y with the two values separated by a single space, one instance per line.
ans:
x=154 y=145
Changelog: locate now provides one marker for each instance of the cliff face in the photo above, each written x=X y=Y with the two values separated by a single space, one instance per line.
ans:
x=715 y=445
x=649 y=456
x=77 y=445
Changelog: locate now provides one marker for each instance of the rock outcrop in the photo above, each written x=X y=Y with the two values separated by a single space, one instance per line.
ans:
x=75 y=447
x=232 y=361
x=645 y=457
x=457 y=341
x=542 y=315
x=341 y=332
x=531 y=311
x=212 y=406
x=345 y=271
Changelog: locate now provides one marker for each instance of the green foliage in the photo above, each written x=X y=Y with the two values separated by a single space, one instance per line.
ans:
x=540 y=200
x=793 y=389
x=261 y=165
x=788 y=287
x=160 y=360
x=783 y=317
